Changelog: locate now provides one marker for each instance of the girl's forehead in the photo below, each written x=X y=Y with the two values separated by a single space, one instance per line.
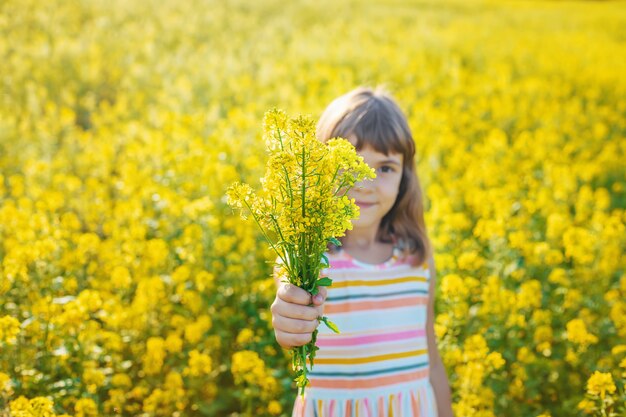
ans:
x=373 y=145
x=371 y=155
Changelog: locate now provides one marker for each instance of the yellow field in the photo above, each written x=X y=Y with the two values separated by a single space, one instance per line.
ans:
x=128 y=287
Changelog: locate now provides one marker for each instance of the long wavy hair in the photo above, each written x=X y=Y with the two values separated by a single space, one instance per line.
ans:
x=373 y=118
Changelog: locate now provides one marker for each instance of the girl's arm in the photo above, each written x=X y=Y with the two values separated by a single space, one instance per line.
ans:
x=438 y=376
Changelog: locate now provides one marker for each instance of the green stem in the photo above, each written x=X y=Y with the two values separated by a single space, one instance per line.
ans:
x=302 y=351
x=263 y=231
x=303 y=181
x=282 y=147
x=305 y=278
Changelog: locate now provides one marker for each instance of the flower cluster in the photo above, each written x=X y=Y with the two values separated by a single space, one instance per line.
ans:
x=303 y=205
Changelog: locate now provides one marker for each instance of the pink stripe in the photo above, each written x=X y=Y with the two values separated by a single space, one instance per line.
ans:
x=359 y=340
x=341 y=264
x=367 y=407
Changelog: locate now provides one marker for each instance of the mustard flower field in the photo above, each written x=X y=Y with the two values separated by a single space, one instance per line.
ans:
x=128 y=287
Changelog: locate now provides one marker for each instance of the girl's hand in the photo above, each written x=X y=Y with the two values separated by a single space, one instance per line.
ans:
x=295 y=313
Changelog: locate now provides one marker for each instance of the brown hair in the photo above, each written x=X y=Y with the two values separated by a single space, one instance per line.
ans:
x=373 y=118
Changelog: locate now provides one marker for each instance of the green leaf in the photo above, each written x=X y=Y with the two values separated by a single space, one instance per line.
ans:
x=324 y=282
x=332 y=326
x=325 y=263
x=334 y=241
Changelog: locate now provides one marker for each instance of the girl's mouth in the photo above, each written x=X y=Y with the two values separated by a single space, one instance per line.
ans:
x=364 y=205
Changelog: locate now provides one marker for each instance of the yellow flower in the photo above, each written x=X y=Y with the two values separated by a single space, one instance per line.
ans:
x=529 y=295
x=452 y=287
x=121 y=380
x=516 y=319
x=559 y=276
x=247 y=367
x=89 y=300
x=577 y=333
x=155 y=355
x=93 y=378
x=85 y=407
x=618 y=316
x=192 y=300
x=573 y=298
x=274 y=408
x=204 y=280
x=199 y=364
x=245 y=336
x=21 y=407
x=470 y=261
x=5 y=383
x=599 y=383
x=9 y=329
x=495 y=360
x=195 y=331
x=42 y=407
x=120 y=277
x=571 y=356
x=173 y=343
x=154 y=401
x=586 y=406
x=181 y=274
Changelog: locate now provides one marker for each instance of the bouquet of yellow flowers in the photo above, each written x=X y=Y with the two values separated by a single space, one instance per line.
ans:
x=303 y=205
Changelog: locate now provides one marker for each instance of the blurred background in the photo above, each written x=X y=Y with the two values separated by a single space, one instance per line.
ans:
x=129 y=288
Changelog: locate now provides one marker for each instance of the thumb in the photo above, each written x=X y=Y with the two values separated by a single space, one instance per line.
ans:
x=320 y=297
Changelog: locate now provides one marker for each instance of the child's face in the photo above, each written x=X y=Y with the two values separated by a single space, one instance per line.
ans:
x=376 y=197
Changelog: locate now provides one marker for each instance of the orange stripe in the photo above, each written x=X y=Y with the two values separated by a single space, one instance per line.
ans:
x=373 y=283
x=369 y=359
x=369 y=305
x=414 y=405
x=368 y=383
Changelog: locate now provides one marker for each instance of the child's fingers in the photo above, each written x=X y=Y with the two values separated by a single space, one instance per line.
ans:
x=294 y=311
x=294 y=294
x=289 y=340
x=295 y=326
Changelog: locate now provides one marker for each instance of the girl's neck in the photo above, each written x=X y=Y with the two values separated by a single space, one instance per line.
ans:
x=360 y=239
x=365 y=248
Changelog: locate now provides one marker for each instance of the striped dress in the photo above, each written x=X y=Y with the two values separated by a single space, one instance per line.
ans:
x=378 y=365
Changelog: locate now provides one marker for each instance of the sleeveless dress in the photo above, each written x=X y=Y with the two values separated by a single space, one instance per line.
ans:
x=378 y=365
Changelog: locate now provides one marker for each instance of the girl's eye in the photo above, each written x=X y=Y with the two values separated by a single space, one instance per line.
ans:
x=386 y=169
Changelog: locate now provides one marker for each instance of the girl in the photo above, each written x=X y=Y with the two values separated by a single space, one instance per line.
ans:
x=385 y=361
